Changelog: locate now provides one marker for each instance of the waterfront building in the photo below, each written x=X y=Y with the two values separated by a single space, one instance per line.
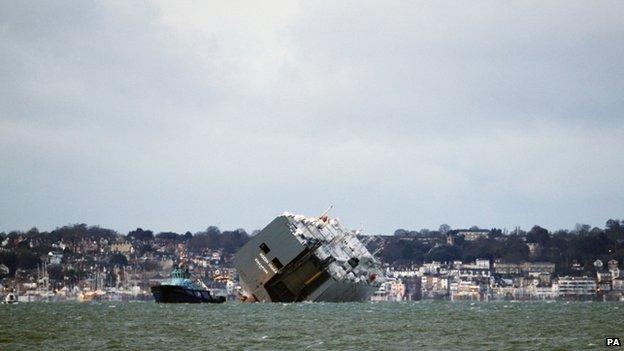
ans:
x=467 y=273
x=403 y=273
x=482 y=263
x=397 y=290
x=434 y=287
x=122 y=247
x=604 y=277
x=617 y=290
x=391 y=290
x=55 y=257
x=382 y=293
x=537 y=292
x=533 y=269
x=471 y=234
x=576 y=288
x=450 y=239
x=430 y=268
x=613 y=268
x=505 y=292
x=505 y=268
x=469 y=290
x=479 y=269
x=534 y=249
x=216 y=256
x=413 y=291
x=537 y=268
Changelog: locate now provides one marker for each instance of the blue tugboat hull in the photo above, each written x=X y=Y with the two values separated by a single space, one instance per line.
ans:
x=178 y=294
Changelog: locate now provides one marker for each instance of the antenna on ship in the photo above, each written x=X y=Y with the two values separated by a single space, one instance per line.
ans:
x=323 y=216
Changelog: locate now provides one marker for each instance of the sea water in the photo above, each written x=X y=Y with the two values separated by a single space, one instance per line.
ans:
x=311 y=326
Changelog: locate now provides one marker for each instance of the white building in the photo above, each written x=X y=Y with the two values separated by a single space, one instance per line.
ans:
x=576 y=287
x=430 y=268
x=613 y=268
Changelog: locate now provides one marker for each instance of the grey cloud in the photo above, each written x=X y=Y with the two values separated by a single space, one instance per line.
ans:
x=402 y=115
x=496 y=61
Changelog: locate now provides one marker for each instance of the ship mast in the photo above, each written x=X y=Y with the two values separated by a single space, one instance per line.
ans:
x=323 y=215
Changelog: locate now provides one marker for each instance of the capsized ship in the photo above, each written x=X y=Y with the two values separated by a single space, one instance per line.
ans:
x=297 y=258
x=181 y=289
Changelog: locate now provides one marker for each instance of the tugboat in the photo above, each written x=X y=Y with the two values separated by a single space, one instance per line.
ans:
x=181 y=289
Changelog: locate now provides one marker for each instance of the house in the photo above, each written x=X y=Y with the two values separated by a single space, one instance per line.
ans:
x=472 y=234
x=55 y=257
x=576 y=288
x=122 y=247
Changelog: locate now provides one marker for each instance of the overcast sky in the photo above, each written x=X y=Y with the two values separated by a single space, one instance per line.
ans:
x=178 y=115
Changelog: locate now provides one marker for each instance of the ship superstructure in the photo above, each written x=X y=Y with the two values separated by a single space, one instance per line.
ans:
x=181 y=289
x=297 y=258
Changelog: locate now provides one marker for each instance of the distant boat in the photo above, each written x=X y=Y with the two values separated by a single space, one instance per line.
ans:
x=88 y=296
x=181 y=289
x=10 y=299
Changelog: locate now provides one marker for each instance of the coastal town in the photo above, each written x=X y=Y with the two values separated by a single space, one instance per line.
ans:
x=483 y=280
x=89 y=263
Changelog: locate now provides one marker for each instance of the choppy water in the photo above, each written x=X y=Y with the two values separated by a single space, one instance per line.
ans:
x=310 y=326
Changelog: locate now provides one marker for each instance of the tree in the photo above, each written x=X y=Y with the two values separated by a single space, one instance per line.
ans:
x=150 y=265
x=514 y=250
x=615 y=230
x=613 y=224
x=444 y=253
x=201 y=241
x=232 y=241
x=118 y=259
x=481 y=248
x=582 y=229
x=9 y=259
x=77 y=232
x=74 y=276
x=459 y=240
x=168 y=236
x=213 y=230
x=97 y=233
x=55 y=272
x=27 y=259
x=141 y=235
x=401 y=232
x=538 y=235
x=444 y=229
x=402 y=252
x=4 y=271
x=495 y=233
